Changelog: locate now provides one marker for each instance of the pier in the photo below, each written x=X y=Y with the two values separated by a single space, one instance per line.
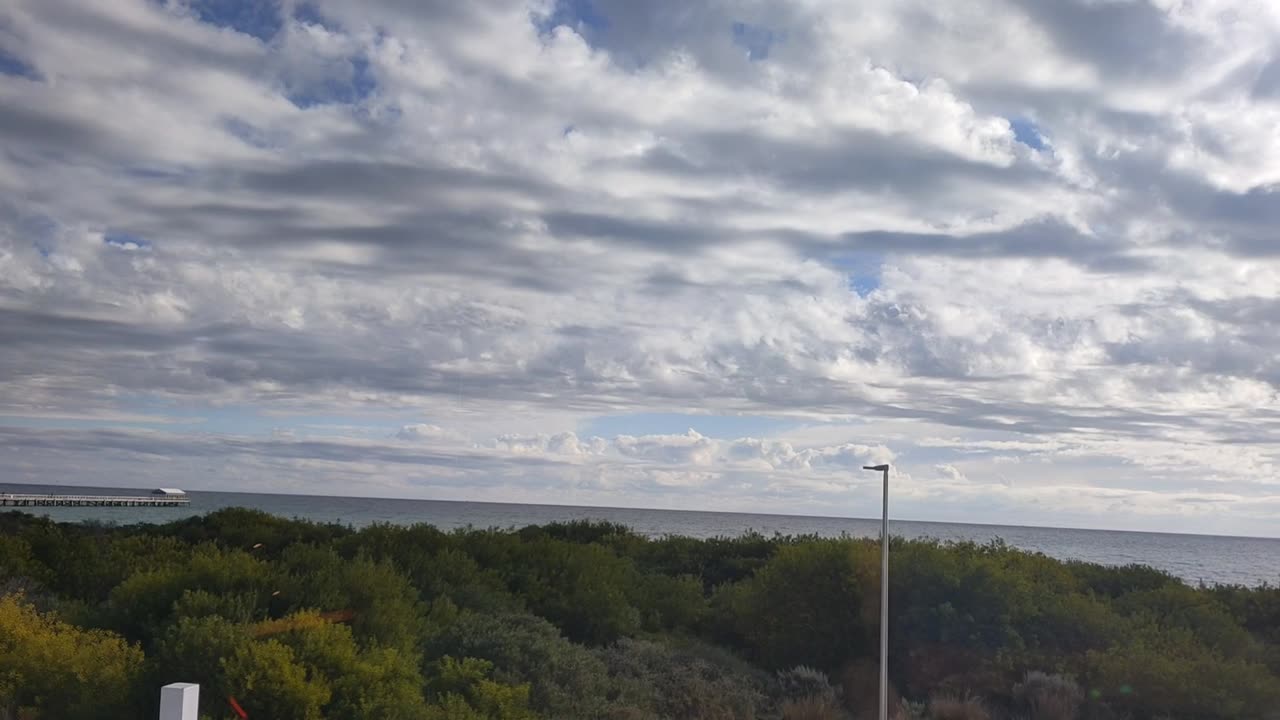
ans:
x=22 y=500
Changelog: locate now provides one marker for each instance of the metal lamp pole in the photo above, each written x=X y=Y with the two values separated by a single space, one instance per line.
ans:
x=884 y=594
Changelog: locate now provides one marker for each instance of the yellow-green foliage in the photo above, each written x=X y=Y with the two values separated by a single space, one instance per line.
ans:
x=62 y=671
x=271 y=683
x=1168 y=673
x=466 y=681
x=567 y=620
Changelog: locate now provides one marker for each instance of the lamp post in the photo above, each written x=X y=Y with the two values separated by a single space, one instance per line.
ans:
x=884 y=594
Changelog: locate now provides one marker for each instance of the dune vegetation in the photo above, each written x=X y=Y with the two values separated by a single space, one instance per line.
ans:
x=299 y=621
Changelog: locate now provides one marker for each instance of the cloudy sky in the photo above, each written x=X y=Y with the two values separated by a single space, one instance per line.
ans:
x=711 y=255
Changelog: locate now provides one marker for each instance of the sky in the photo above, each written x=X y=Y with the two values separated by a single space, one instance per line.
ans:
x=694 y=255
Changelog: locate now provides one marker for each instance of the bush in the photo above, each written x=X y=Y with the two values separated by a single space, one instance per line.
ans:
x=458 y=683
x=193 y=650
x=859 y=683
x=555 y=612
x=803 y=682
x=671 y=603
x=684 y=684
x=952 y=707
x=384 y=606
x=1048 y=697
x=907 y=710
x=566 y=680
x=61 y=671
x=811 y=708
x=715 y=561
x=807 y=605
x=144 y=603
x=1167 y=672
x=268 y=682
x=585 y=590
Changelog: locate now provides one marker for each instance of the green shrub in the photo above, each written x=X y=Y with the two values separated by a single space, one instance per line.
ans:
x=670 y=603
x=1168 y=672
x=802 y=682
x=565 y=680
x=266 y=679
x=193 y=650
x=585 y=590
x=377 y=682
x=952 y=707
x=141 y=605
x=61 y=671
x=384 y=606
x=812 y=708
x=807 y=605
x=1048 y=697
x=468 y=680
x=246 y=603
x=682 y=683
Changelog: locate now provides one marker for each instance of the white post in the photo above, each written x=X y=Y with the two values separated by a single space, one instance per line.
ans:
x=179 y=701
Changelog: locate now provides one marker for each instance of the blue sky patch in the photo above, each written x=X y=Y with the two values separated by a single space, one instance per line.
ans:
x=580 y=15
x=1027 y=133
x=350 y=90
x=311 y=15
x=862 y=270
x=11 y=64
x=755 y=39
x=259 y=18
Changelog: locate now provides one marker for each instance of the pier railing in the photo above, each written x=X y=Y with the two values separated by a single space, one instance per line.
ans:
x=27 y=500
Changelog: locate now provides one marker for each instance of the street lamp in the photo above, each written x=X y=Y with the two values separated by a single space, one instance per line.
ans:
x=884 y=594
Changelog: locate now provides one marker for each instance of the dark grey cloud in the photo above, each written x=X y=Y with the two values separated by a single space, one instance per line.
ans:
x=849 y=160
x=1267 y=84
x=385 y=182
x=665 y=215
x=212 y=447
x=1047 y=238
x=1123 y=38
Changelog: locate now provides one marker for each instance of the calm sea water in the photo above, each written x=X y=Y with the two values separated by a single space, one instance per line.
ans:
x=1195 y=558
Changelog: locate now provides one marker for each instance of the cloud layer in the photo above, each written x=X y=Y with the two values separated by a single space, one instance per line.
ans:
x=1025 y=249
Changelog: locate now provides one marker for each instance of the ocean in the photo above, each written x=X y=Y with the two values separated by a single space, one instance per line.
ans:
x=1194 y=558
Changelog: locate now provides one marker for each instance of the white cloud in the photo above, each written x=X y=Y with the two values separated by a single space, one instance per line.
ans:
x=427 y=432
x=449 y=212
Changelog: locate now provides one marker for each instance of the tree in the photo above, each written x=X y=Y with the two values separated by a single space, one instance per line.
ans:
x=565 y=679
x=193 y=650
x=377 y=682
x=806 y=605
x=468 y=679
x=385 y=607
x=583 y=589
x=266 y=679
x=60 y=670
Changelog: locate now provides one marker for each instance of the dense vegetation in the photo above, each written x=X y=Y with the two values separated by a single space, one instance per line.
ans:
x=297 y=620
